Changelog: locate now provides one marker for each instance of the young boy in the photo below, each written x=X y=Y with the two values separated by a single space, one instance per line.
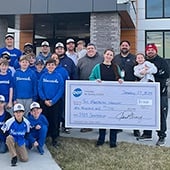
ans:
x=145 y=69
x=6 y=83
x=25 y=84
x=39 y=64
x=16 y=128
x=7 y=56
x=51 y=89
x=4 y=116
x=39 y=127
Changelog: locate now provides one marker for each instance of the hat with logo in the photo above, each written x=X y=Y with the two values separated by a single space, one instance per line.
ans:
x=28 y=45
x=151 y=46
x=70 y=40
x=45 y=43
x=59 y=44
x=2 y=98
x=9 y=35
x=39 y=61
x=34 y=105
x=18 y=107
x=6 y=55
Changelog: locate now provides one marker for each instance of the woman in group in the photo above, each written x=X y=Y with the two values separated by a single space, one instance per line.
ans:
x=107 y=71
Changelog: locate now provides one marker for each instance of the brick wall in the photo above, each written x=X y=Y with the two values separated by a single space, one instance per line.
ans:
x=105 y=31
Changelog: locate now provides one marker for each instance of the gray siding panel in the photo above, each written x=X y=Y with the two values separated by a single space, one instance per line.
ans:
x=104 y=5
x=39 y=6
x=68 y=6
x=15 y=7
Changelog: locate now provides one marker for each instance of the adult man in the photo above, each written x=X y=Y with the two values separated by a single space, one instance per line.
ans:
x=65 y=61
x=85 y=66
x=45 y=51
x=161 y=76
x=9 y=47
x=126 y=62
x=81 y=49
x=70 y=44
x=69 y=65
x=28 y=48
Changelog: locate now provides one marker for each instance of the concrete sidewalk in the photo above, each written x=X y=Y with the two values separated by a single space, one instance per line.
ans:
x=36 y=162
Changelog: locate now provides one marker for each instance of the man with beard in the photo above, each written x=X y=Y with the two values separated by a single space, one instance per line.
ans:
x=126 y=62
x=85 y=66
x=66 y=62
x=161 y=76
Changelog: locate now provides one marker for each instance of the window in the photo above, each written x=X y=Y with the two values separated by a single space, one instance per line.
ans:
x=157 y=8
x=162 y=40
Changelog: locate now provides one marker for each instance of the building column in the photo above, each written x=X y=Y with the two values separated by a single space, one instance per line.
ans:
x=105 y=31
x=3 y=30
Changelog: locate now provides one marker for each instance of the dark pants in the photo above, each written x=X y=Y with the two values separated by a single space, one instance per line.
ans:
x=113 y=136
x=37 y=135
x=163 y=118
x=53 y=116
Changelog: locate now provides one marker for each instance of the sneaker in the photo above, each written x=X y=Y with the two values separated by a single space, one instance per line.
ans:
x=113 y=145
x=144 y=137
x=14 y=161
x=161 y=141
x=84 y=130
x=66 y=130
x=136 y=133
x=99 y=143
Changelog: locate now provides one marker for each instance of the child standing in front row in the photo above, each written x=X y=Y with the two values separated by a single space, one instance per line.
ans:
x=16 y=129
x=51 y=89
x=39 y=128
x=145 y=69
x=25 y=84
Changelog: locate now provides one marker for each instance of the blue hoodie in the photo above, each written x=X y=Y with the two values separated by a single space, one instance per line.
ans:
x=63 y=72
x=6 y=82
x=25 y=84
x=51 y=86
x=42 y=121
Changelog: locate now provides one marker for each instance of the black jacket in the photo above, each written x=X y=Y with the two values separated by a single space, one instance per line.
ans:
x=126 y=63
x=162 y=74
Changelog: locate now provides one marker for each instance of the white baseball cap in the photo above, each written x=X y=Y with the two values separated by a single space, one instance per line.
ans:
x=59 y=44
x=70 y=40
x=45 y=43
x=34 y=105
x=18 y=107
x=2 y=98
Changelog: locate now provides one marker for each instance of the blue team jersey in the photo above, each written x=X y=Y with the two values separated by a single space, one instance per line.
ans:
x=14 y=53
x=51 y=86
x=25 y=80
x=6 y=82
x=17 y=129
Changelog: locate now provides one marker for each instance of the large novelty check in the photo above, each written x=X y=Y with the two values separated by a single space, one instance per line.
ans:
x=130 y=105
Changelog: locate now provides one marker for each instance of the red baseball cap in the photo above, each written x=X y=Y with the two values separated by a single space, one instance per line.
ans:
x=151 y=46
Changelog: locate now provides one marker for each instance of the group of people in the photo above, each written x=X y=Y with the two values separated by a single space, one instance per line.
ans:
x=32 y=85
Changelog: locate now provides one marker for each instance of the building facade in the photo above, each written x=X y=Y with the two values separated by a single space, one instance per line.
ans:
x=104 y=23
x=154 y=26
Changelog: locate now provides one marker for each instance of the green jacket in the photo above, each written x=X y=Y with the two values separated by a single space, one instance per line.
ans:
x=95 y=74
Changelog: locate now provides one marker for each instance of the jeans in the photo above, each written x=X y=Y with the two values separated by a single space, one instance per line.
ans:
x=102 y=134
x=3 y=147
